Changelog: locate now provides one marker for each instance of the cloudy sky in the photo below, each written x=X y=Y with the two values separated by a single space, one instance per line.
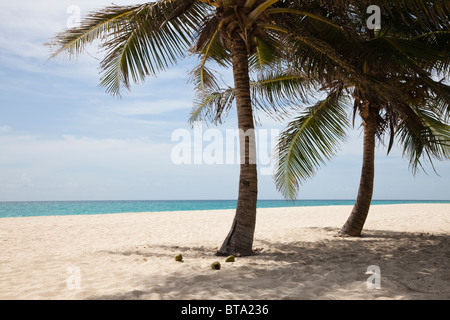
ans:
x=63 y=138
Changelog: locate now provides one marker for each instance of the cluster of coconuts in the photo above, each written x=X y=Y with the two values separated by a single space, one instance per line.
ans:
x=215 y=265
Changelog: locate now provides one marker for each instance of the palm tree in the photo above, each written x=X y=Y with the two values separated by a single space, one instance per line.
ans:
x=144 y=39
x=387 y=75
x=392 y=89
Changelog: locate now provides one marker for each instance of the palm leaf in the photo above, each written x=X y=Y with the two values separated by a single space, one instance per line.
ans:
x=208 y=47
x=94 y=26
x=212 y=105
x=311 y=53
x=403 y=54
x=439 y=40
x=266 y=53
x=430 y=141
x=138 y=40
x=260 y=9
x=202 y=78
x=308 y=141
x=149 y=44
x=274 y=92
x=303 y=13
x=277 y=91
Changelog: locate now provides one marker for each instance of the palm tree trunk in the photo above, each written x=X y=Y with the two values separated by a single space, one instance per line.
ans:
x=239 y=241
x=355 y=222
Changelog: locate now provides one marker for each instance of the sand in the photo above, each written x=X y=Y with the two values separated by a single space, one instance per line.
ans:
x=131 y=255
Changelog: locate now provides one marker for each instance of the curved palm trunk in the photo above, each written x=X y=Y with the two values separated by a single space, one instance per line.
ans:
x=355 y=222
x=240 y=238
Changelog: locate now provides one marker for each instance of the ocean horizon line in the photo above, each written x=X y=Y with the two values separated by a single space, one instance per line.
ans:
x=91 y=207
x=168 y=200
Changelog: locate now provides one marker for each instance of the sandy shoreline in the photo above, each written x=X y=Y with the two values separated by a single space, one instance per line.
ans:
x=131 y=255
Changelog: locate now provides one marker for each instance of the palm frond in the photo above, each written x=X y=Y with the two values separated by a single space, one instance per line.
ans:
x=308 y=141
x=304 y=13
x=274 y=92
x=212 y=105
x=260 y=9
x=266 y=53
x=202 y=78
x=209 y=44
x=439 y=40
x=402 y=54
x=427 y=13
x=150 y=43
x=277 y=91
x=139 y=40
x=95 y=26
x=314 y=44
x=440 y=102
x=432 y=140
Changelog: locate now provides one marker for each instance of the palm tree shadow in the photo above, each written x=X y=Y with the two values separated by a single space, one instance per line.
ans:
x=412 y=265
x=162 y=251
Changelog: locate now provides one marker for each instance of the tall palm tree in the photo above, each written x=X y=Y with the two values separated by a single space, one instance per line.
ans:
x=386 y=74
x=393 y=91
x=142 y=40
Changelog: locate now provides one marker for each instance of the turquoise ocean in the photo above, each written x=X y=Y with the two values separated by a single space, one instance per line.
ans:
x=52 y=208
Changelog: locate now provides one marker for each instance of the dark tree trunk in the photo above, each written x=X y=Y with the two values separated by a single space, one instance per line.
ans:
x=239 y=241
x=355 y=222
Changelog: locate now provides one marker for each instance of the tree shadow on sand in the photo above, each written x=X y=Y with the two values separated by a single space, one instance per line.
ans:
x=412 y=266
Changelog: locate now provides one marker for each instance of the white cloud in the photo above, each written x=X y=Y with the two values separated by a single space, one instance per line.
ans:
x=27 y=24
x=76 y=168
x=152 y=107
x=4 y=129
x=73 y=167
x=77 y=151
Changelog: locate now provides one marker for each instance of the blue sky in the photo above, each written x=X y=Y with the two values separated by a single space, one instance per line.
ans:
x=63 y=138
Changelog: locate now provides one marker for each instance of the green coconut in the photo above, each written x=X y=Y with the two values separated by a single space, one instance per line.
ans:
x=178 y=257
x=229 y=259
x=215 y=265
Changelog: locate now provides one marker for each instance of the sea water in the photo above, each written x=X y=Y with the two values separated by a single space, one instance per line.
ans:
x=51 y=208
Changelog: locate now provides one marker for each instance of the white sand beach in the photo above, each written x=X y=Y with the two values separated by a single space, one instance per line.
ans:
x=131 y=255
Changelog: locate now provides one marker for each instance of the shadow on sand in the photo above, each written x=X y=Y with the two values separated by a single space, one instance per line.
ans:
x=412 y=265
